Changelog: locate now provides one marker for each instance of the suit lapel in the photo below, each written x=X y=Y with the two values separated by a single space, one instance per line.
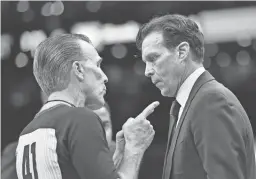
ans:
x=171 y=127
x=205 y=77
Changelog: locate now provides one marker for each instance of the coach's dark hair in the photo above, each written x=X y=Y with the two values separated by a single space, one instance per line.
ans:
x=175 y=29
x=53 y=60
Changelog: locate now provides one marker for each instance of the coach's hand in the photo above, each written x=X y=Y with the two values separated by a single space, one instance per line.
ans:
x=119 y=152
x=138 y=132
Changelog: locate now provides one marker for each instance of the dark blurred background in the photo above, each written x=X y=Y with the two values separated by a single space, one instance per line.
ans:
x=230 y=38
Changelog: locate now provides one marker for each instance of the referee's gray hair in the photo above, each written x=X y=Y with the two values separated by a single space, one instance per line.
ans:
x=53 y=60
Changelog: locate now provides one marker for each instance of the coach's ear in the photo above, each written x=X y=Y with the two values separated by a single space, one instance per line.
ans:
x=183 y=51
x=78 y=70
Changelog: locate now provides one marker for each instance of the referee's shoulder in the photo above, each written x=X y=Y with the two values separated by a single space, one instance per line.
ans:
x=83 y=115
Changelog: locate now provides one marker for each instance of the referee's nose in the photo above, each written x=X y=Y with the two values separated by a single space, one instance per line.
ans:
x=105 y=78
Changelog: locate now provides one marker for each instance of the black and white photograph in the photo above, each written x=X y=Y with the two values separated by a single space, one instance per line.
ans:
x=128 y=89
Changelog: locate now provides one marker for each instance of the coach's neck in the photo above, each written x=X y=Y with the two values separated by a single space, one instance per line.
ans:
x=189 y=67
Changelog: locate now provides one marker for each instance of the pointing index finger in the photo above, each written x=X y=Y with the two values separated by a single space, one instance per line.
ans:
x=148 y=110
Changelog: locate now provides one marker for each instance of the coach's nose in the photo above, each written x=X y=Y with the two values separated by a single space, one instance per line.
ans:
x=149 y=70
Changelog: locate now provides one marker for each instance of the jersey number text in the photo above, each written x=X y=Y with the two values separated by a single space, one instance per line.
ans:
x=27 y=162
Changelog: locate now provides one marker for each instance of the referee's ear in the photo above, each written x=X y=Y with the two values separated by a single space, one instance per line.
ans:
x=78 y=70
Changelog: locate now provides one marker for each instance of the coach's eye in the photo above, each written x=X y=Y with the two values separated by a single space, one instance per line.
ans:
x=153 y=61
x=153 y=58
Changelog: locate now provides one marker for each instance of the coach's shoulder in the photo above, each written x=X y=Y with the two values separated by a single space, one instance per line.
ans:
x=213 y=104
x=213 y=90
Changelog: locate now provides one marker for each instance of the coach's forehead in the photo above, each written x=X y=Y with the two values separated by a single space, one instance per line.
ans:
x=88 y=50
x=152 y=41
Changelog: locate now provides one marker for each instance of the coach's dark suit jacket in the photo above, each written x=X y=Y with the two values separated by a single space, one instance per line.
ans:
x=213 y=139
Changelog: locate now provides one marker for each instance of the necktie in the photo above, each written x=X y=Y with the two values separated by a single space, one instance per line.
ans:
x=175 y=108
x=174 y=113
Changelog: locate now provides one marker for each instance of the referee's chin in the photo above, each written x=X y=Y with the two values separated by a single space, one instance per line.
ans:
x=101 y=102
x=97 y=104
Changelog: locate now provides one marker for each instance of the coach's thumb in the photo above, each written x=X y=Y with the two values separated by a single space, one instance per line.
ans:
x=120 y=141
x=119 y=136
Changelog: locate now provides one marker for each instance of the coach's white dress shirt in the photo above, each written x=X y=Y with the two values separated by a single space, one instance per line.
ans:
x=185 y=89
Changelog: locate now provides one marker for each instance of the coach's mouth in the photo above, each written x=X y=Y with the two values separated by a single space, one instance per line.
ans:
x=104 y=90
x=155 y=82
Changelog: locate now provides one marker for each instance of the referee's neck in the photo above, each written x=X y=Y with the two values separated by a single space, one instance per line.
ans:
x=73 y=98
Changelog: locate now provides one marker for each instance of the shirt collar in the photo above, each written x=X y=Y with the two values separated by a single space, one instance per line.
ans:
x=187 y=85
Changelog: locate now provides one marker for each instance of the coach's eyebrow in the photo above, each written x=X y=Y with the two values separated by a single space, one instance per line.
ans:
x=151 y=56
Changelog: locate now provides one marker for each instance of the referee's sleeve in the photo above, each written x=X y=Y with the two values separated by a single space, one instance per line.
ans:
x=88 y=147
